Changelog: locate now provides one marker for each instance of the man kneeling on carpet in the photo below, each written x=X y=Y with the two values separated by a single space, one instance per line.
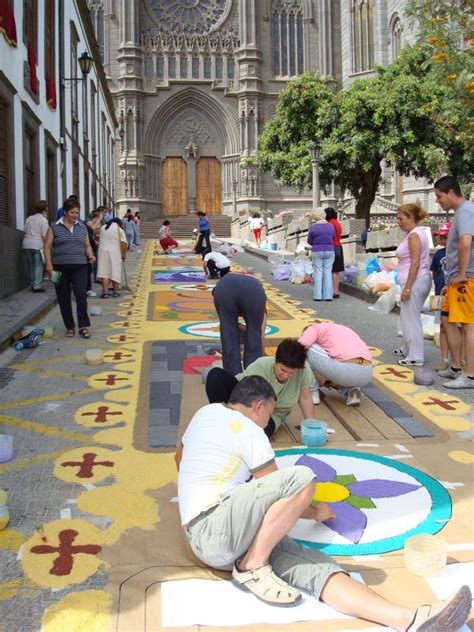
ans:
x=287 y=373
x=215 y=265
x=338 y=355
x=233 y=523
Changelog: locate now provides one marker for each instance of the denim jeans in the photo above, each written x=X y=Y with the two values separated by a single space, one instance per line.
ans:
x=322 y=274
x=35 y=263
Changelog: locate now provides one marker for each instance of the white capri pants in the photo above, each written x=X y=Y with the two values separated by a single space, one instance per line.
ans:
x=340 y=373
x=410 y=319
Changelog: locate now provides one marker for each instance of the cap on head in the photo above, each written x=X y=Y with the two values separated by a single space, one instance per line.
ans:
x=443 y=230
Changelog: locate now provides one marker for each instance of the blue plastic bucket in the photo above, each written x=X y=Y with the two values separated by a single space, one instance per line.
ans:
x=273 y=245
x=314 y=432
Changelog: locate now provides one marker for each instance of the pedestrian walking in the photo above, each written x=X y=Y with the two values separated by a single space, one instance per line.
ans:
x=166 y=239
x=256 y=224
x=112 y=251
x=216 y=265
x=36 y=228
x=338 y=265
x=204 y=234
x=240 y=295
x=458 y=303
x=137 y=224
x=130 y=229
x=415 y=282
x=94 y=223
x=68 y=252
x=237 y=508
x=321 y=238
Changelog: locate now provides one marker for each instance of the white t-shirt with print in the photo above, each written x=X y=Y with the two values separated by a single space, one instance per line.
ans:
x=221 y=450
x=219 y=259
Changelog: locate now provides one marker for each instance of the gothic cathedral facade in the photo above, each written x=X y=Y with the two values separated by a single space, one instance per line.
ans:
x=194 y=81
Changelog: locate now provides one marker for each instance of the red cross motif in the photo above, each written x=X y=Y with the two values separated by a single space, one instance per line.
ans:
x=445 y=405
x=86 y=466
x=101 y=414
x=126 y=323
x=118 y=355
x=112 y=379
x=123 y=338
x=396 y=373
x=63 y=564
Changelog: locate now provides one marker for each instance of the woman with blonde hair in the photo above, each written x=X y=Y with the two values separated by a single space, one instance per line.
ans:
x=415 y=281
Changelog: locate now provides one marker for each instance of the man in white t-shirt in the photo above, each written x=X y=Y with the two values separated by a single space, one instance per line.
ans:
x=237 y=508
x=216 y=265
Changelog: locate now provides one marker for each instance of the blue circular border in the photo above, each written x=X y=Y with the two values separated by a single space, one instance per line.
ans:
x=441 y=507
x=184 y=329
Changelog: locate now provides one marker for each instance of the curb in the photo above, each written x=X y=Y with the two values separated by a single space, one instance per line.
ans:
x=28 y=318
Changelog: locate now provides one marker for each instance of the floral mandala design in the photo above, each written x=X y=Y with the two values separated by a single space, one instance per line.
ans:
x=379 y=502
x=347 y=496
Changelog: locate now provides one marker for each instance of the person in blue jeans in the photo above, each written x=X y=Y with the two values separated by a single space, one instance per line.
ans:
x=321 y=237
x=204 y=235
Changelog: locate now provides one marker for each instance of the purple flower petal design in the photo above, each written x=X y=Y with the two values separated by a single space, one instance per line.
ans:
x=380 y=488
x=349 y=522
x=324 y=473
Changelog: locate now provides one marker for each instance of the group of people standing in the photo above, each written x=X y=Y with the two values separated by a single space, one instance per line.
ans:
x=75 y=252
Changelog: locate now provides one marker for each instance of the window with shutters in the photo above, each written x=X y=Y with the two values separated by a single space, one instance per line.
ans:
x=50 y=39
x=5 y=193
x=74 y=39
x=30 y=23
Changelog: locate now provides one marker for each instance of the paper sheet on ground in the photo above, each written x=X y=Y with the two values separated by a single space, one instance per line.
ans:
x=189 y=602
x=453 y=577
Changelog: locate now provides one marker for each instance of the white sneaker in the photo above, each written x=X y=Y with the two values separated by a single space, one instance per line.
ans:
x=315 y=396
x=449 y=373
x=91 y=293
x=462 y=381
x=353 y=397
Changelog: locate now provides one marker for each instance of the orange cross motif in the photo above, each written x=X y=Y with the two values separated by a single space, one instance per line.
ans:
x=445 y=405
x=118 y=355
x=63 y=564
x=86 y=466
x=111 y=379
x=101 y=414
x=396 y=373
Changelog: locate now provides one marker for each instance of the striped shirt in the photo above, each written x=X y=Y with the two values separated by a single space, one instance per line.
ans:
x=68 y=245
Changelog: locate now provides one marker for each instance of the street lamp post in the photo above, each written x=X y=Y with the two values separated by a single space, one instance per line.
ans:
x=315 y=152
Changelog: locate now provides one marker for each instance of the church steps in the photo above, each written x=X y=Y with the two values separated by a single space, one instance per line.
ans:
x=182 y=226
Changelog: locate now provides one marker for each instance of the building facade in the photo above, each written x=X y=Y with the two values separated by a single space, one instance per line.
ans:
x=57 y=125
x=194 y=81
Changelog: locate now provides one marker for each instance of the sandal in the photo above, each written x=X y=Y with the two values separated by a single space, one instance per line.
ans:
x=398 y=352
x=85 y=333
x=266 y=586
x=104 y=295
x=70 y=333
x=448 y=616
x=406 y=362
x=116 y=294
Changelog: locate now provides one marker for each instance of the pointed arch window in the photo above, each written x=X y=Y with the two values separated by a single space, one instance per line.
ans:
x=395 y=37
x=362 y=35
x=287 y=38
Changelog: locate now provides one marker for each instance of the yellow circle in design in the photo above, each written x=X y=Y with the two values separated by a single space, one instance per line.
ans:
x=110 y=380
x=122 y=339
x=85 y=465
x=40 y=555
x=330 y=493
x=102 y=415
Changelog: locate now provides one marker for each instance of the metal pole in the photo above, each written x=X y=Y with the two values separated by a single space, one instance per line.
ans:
x=234 y=197
x=316 y=187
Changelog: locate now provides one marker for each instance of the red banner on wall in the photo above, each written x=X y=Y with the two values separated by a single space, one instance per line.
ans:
x=34 y=83
x=7 y=22
x=50 y=93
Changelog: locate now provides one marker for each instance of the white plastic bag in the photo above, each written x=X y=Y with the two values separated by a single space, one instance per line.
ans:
x=387 y=301
x=297 y=271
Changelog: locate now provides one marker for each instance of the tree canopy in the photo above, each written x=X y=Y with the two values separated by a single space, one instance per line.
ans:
x=399 y=115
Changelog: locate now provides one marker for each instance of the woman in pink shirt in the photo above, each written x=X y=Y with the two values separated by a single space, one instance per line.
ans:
x=336 y=353
x=415 y=282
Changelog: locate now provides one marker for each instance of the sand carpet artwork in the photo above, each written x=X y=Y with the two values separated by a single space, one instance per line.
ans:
x=101 y=563
x=378 y=502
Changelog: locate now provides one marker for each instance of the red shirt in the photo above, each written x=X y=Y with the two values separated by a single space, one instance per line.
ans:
x=338 y=229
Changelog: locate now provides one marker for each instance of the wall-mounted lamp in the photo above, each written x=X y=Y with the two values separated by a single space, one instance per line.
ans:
x=85 y=64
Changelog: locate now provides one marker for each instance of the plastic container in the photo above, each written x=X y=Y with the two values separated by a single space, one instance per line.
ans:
x=273 y=245
x=6 y=448
x=426 y=555
x=94 y=357
x=314 y=432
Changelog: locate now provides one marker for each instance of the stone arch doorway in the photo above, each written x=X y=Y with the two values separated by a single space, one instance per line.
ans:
x=191 y=133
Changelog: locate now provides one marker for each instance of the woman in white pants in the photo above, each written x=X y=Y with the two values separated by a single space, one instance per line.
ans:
x=415 y=281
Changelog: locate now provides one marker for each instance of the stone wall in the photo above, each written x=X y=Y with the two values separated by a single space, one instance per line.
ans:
x=13 y=264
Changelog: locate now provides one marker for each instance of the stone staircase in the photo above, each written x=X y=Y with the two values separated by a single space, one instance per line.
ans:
x=182 y=226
